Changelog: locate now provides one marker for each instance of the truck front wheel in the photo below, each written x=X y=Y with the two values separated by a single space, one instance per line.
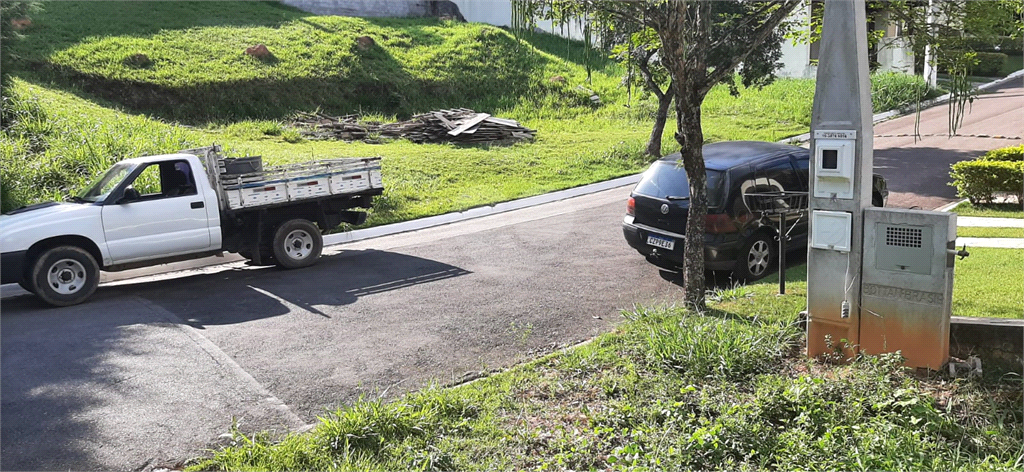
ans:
x=65 y=275
x=297 y=243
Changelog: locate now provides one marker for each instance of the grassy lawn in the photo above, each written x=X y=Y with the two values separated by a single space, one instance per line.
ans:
x=985 y=232
x=1000 y=210
x=988 y=284
x=724 y=390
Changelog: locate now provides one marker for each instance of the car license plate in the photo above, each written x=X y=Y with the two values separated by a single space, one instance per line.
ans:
x=664 y=243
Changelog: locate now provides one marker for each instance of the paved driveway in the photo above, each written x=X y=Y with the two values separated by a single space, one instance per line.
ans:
x=917 y=171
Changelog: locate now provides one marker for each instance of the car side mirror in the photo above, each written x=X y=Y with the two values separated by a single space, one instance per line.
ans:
x=130 y=195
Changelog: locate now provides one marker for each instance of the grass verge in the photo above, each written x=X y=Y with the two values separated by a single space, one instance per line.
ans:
x=670 y=389
x=976 y=291
x=986 y=232
x=996 y=210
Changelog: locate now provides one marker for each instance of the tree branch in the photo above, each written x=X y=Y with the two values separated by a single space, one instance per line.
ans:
x=645 y=71
x=759 y=35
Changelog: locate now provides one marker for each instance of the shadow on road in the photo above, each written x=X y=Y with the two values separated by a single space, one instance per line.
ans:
x=68 y=373
x=919 y=170
x=62 y=369
x=246 y=294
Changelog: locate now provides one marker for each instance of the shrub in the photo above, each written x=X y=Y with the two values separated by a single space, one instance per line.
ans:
x=893 y=91
x=988 y=64
x=1012 y=154
x=980 y=179
x=1003 y=44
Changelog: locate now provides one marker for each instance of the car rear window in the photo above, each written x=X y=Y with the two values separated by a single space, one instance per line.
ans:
x=668 y=179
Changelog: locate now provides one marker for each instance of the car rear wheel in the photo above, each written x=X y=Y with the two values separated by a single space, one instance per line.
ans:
x=65 y=276
x=758 y=258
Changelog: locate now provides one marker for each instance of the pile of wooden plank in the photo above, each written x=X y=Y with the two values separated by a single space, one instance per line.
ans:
x=460 y=125
x=321 y=126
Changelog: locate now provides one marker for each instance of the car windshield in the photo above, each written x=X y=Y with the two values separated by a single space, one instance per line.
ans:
x=667 y=179
x=104 y=184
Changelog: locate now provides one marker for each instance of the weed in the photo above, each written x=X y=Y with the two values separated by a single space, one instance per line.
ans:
x=291 y=136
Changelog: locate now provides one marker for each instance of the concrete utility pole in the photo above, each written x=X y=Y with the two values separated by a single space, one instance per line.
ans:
x=840 y=179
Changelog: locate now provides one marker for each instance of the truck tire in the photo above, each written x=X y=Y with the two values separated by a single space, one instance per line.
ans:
x=297 y=243
x=27 y=285
x=65 y=275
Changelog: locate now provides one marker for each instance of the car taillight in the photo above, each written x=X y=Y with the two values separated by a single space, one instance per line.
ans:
x=719 y=223
x=631 y=206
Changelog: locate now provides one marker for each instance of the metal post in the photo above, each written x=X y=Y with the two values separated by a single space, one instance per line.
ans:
x=782 y=253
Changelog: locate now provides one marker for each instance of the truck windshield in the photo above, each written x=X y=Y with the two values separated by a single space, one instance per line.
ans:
x=104 y=184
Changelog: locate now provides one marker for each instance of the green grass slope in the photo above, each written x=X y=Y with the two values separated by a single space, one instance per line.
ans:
x=195 y=69
x=83 y=99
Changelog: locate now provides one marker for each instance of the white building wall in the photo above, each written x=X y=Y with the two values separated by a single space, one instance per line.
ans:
x=361 y=8
x=492 y=12
x=796 y=57
x=796 y=61
x=499 y=13
x=895 y=55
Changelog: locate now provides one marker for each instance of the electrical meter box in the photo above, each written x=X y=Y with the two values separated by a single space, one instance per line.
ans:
x=834 y=153
x=907 y=284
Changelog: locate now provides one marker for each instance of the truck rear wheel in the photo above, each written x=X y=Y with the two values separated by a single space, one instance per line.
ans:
x=65 y=276
x=27 y=285
x=297 y=243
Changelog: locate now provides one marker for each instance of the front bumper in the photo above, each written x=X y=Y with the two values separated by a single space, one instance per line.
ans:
x=719 y=253
x=12 y=267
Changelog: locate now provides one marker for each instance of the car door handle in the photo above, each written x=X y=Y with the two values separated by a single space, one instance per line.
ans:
x=197 y=205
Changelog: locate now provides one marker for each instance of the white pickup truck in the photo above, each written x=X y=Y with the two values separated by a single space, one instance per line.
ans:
x=158 y=209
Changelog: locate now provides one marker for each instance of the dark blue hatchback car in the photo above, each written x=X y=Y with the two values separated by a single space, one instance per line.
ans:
x=737 y=236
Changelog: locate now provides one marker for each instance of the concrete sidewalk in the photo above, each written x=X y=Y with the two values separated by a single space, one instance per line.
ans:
x=982 y=222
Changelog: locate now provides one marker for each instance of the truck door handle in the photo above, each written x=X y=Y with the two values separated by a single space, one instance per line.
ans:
x=197 y=205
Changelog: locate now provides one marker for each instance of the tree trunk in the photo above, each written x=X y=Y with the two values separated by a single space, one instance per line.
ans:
x=685 y=31
x=690 y=136
x=654 y=144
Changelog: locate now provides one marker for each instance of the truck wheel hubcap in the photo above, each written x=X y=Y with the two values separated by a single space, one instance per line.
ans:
x=298 y=244
x=66 y=276
x=757 y=259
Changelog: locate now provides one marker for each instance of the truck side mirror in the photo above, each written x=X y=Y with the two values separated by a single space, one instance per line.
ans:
x=130 y=195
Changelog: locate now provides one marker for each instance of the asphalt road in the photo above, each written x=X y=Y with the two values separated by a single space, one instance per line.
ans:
x=155 y=369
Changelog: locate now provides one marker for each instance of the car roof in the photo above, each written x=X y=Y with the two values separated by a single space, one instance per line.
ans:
x=728 y=154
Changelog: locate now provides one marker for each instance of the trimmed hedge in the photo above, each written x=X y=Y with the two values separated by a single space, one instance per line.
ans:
x=1005 y=44
x=1012 y=153
x=989 y=64
x=979 y=180
x=986 y=64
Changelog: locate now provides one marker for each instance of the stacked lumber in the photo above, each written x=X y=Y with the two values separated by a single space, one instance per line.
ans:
x=321 y=126
x=460 y=125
